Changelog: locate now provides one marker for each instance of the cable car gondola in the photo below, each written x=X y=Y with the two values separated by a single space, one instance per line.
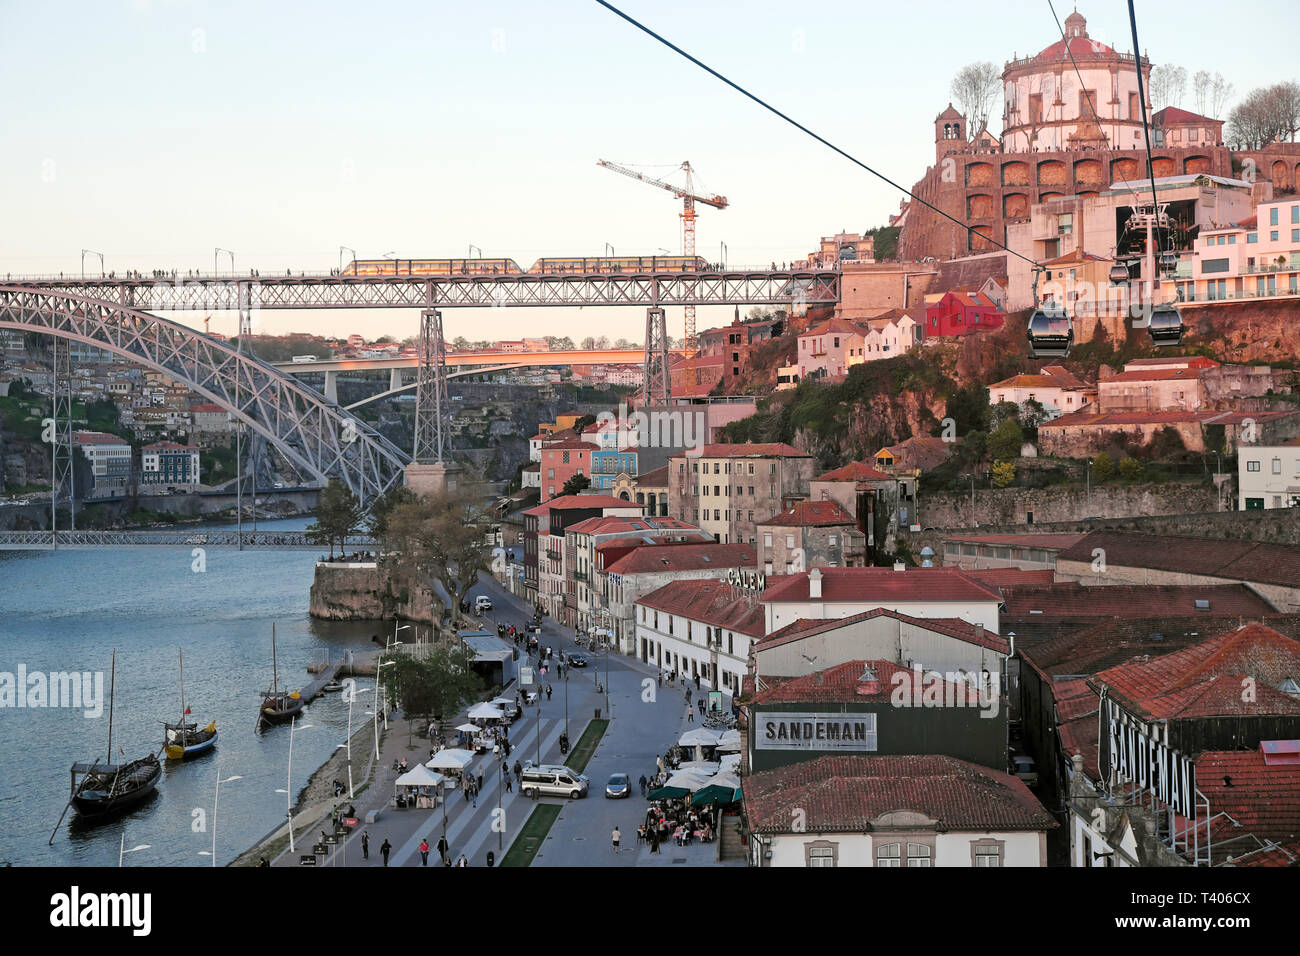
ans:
x=1119 y=273
x=1051 y=333
x=1166 y=325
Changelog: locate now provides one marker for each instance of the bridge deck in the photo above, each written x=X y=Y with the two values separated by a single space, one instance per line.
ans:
x=80 y=540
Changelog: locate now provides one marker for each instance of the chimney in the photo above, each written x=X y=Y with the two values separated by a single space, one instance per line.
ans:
x=815 y=584
x=979 y=632
x=900 y=566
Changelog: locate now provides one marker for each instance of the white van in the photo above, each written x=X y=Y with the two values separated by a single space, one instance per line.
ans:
x=553 y=780
x=482 y=603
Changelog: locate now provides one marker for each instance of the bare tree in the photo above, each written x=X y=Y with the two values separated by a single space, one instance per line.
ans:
x=1166 y=86
x=1286 y=106
x=1211 y=92
x=1260 y=118
x=974 y=90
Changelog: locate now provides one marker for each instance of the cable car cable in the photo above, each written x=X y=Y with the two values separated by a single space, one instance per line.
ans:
x=804 y=129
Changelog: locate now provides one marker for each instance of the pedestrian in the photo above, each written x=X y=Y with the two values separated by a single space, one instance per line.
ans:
x=365 y=845
x=661 y=678
x=616 y=836
x=509 y=783
x=478 y=783
x=702 y=702
x=462 y=861
x=688 y=695
x=384 y=849
x=697 y=680
x=518 y=770
x=643 y=783
x=443 y=847
x=424 y=852
x=548 y=691
x=690 y=714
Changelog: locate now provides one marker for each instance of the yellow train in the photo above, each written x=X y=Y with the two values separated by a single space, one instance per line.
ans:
x=480 y=267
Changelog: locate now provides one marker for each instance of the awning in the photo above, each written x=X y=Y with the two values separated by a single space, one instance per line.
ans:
x=486 y=712
x=451 y=759
x=419 y=776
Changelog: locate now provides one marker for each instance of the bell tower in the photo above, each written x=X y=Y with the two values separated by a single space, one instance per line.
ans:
x=950 y=133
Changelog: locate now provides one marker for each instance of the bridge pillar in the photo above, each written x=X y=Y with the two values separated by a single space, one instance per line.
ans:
x=433 y=478
x=394 y=379
x=431 y=438
x=657 y=389
x=332 y=386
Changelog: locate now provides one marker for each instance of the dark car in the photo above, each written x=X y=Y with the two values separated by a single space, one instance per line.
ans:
x=618 y=787
x=577 y=660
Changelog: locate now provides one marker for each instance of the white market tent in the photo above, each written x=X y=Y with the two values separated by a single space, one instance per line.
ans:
x=469 y=728
x=486 y=712
x=699 y=737
x=691 y=780
x=452 y=758
x=729 y=742
x=419 y=776
x=730 y=762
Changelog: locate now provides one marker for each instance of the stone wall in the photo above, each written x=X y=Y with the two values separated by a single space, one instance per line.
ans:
x=364 y=592
x=1064 y=503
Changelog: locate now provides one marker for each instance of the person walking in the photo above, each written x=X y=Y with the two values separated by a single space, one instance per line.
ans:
x=518 y=770
x=643 y=784
x=688 y=695
x=462 y=861
x=365 y=845
x=478 y=785
x=384 y=849
x=702 y=703
x=443 y=847
x=509 y=782
x=424 y=852
x=690 y=714
x=616 y=836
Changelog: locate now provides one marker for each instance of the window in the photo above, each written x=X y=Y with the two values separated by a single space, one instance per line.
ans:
x=1232 y=240
x=888 y=855
x=566 y=458
x=1252 y=466
x=1295 y=235
x=986 y=853
x=1252 y=237
x=789 y=541
x=1272 y=236
x=1295 y=213
x=767 y=539
x=821 y=853
x=919 y=854
x=1277 y=466
x=1272 y=216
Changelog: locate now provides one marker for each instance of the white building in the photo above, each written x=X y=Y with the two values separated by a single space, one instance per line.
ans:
x=893 y=811
x=828 y=593
x=1268 y=476
x=110 y=460
x=699 y=629
x=1055 y=388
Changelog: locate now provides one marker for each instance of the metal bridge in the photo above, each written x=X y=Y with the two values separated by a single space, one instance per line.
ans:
x=320 y=438
x=273 y=540
x=645 y=289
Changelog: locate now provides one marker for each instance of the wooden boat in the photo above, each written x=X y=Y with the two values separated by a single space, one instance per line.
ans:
x=104 y=790
x=278 y=706
x=184 y=739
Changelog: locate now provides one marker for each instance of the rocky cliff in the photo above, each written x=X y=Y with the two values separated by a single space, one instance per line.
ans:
x=364 y=592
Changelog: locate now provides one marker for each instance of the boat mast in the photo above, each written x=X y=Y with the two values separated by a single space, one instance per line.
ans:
x=112 y=692
x=182 y=657
x=275 y=668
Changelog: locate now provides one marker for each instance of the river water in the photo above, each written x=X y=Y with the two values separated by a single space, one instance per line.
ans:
x=68 y=611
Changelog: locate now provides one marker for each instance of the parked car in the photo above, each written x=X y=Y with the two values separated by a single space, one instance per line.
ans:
x=577 y=660
x=619 y=787
x=482 y=603
x=1024 y=768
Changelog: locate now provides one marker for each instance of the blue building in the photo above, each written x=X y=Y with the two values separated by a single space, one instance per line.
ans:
x=608 y=463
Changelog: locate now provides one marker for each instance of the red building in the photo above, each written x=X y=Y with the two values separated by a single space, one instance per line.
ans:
x=961 y=312
x=561 y=460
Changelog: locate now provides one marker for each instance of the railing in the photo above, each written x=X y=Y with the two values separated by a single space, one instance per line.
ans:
x=34 y=540
x=1231 y=296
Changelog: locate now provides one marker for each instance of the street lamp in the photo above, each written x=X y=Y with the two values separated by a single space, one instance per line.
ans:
x=349 y=249
x=122 y=850
x=609 y=250
x=215 y=800
x=384 y=706
x=217 y=251
x=288 y=783
x=352 y=696
x=92 y=252
x=472 y=247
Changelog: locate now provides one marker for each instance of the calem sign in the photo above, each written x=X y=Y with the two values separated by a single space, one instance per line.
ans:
x=746 y=580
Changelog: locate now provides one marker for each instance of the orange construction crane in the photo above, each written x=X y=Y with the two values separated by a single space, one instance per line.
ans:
x=689 y=198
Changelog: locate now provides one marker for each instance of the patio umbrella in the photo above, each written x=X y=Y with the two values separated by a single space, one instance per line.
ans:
x=485 y=712
x=729 y=742
x=668 y=793
x=699 y=737
x=722 y=787
x=469 y=728
x=730 y=762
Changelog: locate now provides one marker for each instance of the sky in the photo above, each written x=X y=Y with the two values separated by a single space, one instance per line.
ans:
x=154 y=131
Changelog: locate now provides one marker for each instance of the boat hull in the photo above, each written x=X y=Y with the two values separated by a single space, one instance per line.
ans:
x=281 y=712
x=177 y=751
x=94 y=802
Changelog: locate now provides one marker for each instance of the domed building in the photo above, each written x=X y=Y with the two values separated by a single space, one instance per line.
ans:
x=1047 y=108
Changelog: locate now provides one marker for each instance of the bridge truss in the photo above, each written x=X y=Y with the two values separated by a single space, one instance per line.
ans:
x=320 y=438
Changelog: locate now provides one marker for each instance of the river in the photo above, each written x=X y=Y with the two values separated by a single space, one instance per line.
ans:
x=69 y=610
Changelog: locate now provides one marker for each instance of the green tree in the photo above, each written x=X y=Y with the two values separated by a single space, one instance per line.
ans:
x=1004 y=473
x=439 y=540
x=433 y=686
x=1130 y=469
x=1103 y=467
x=338 y=515
x=1006 y=441
x=377 y=522
x=576 y=485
